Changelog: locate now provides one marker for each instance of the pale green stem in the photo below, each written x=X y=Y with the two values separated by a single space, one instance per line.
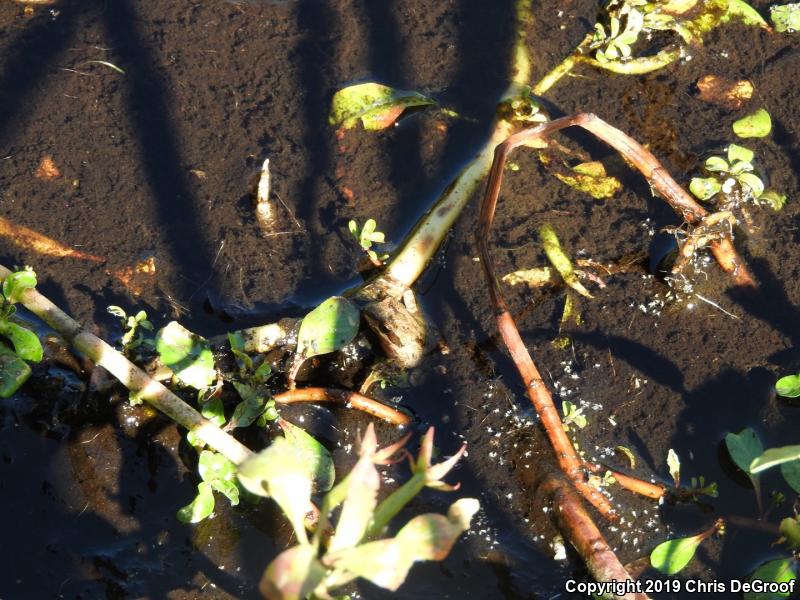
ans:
x=131 y=376
x=637 y=66
x=423 y=242
x=394 y=503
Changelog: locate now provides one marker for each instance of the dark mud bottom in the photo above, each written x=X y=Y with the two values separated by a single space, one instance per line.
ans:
x=161 y=161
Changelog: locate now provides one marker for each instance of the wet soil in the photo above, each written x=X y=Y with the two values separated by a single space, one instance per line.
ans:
x=161 y=161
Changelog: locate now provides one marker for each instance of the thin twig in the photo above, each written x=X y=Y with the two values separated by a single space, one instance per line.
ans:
x=346 y=398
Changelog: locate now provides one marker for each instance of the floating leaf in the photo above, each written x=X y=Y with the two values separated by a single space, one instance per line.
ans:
x=674 y=465
x=591 y=178
x=187 y=354
x=704 y=188
x=773 y=457
x=756 y=125
x=559 y=259
x=743 y=448
x=378 y=106
x=201 y=507
x=716 y=163
x=18 y=282
x=789 y=386
x=779 y=571
x=673 y=555
x=786 y=18
x=26 y=343
x=427 y=537
x=13 y=371
x=293 y=574
x=739 y=153
x=753 y=182
x=280 y=472
x=318 y=459
x=791 y=473
x=327 y=328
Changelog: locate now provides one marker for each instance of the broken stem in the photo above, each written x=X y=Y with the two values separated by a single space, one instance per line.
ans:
x=345 y=398
x=131 y=376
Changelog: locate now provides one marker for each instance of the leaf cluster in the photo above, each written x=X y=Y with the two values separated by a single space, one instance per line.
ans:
x=25 y=345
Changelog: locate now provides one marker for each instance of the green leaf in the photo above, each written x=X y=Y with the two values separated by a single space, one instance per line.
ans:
x=427 y=537
x=716 y=163
x=789 y=386
x=790 y=531
x=220 y=473
x=378 y=106
x=214 y=411
x=293 y=574
x=673 y=555
x=775 y=200
x=362 y=485
x=779 y=570
x=745 y=13
x=280 y=472
x=317 y=458
x=559 y=259
x=18 y=282
x=743 y=448
x=187 y=354
x=13 y=371
x=327 y=328
x=737 y=152
x=756 y=125
x=752 y=181
x=591 y=179
x=791 y=473
x=201 y=507
x=704 y=188
x=786 y=18
x=250 y=408
x=773 y=457
x=26 y=343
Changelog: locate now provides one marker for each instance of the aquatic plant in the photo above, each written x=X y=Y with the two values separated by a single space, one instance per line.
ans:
x=25 y=344
x=355 y=547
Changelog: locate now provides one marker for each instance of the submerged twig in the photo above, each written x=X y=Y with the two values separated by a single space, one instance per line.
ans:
x=577 y=526
x=346 y=398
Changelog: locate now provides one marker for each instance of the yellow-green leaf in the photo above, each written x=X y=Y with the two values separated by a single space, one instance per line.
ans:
x=756 y=125
x=559 y=259
x=376 y=105
x=591 y=178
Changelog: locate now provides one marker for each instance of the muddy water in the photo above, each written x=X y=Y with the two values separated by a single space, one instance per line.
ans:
x=161 y=162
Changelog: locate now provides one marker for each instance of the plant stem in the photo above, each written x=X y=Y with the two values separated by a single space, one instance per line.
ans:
x=577 y=526
x=345 y=398
x=422 y=243
x=131 y=376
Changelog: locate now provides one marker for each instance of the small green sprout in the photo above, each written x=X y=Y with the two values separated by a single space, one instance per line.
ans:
x=366 y=236
x=615 y=44
x=674 y=465
x=673 y=555
x=134 y=325
x=735 y=177
x=573 y=415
